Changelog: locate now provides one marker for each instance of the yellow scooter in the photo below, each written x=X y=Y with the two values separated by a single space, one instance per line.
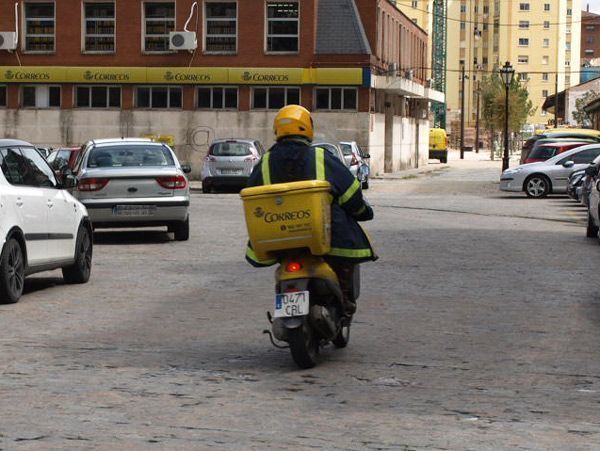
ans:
x=290 y=223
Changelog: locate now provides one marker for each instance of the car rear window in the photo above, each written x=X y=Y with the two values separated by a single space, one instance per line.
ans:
x=230 y=149
x=543 y=152
x=346 y=149
x=129 y=156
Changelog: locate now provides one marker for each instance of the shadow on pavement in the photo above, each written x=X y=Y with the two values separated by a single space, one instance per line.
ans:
x=131 y=237
x=33 y=284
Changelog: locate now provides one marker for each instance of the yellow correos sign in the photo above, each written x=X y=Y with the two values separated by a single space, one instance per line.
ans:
x=182 y=75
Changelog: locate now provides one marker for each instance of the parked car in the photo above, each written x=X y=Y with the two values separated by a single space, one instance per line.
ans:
x=438 y=144
x=43 y=226
x=357 y=160
x=550 y=176
x=134 y=182
x=574 y=184
x=65 y=156
x=558 y=133
x=593 y=222
x=544 y=149
x=333 y=149
x=229 y=162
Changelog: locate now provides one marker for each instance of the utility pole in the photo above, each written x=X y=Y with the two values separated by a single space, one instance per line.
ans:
x=462 y=113
x=477 y=119
x=556 y=100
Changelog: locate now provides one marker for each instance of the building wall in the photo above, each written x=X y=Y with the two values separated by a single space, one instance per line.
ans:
x=493 y=46
x=590 y=36
x=576 y=92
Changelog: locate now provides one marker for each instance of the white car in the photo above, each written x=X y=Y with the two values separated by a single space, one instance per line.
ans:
x=42 y=226
x=550 y=176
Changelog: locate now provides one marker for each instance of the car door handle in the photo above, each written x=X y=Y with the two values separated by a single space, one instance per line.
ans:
x=19 y=202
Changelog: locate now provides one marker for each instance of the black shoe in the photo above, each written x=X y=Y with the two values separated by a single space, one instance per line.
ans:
x=349 y=307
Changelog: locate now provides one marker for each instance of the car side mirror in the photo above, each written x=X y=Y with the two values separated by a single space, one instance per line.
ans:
x=67 y=178
x=592 y=171
x=568 y=164
x=186 y=168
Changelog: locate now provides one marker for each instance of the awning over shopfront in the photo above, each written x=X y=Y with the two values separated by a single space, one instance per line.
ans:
x=550 y=104
x=186 y=75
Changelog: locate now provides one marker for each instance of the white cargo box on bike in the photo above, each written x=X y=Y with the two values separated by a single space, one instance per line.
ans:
x=287 y=216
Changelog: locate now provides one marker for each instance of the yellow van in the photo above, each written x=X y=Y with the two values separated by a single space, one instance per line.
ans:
x=438 y=144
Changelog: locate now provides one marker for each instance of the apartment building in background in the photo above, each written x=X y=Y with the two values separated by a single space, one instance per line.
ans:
x=540 y=38
x=84 y=69
x=421 y=13
x=590 y=37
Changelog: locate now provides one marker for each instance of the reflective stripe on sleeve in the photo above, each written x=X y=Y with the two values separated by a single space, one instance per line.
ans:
x=320 y=161
x=266 y=172
x=252 y=256
x=350 y=253
x=349 y=192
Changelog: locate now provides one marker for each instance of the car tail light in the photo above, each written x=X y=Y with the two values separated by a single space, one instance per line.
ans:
x=293 y=267
x=92 y=184
x=172 y=182
x=354 y=160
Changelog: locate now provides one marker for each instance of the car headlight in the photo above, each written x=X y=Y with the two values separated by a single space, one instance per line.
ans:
x=513 y=171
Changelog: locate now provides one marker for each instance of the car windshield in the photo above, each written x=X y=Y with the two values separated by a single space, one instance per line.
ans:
x=230 y=149
x=543 y=152
x=129 y=155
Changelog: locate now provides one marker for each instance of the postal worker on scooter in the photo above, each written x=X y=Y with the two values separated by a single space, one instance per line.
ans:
x=291 y=159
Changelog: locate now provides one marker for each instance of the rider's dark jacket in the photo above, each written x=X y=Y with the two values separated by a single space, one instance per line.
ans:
x=291 y=160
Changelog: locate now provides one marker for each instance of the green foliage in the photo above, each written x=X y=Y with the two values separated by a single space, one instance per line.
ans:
x=579 y=114
x=493 y=95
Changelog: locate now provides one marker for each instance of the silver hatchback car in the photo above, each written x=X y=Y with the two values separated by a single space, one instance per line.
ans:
x=133 y=182
x=229 y=162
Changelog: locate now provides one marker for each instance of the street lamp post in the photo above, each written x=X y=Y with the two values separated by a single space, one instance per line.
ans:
x=506 y=73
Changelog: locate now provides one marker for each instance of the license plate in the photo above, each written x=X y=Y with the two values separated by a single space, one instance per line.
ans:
x=134 y=210
x=291 y=304
x=231 y=171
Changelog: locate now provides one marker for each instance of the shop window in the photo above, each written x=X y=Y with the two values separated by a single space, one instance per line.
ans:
x=158 y=97
x=220 y=27
x=99 y=27
x=98 y=96
x=217 y=97
x=40 y=96
x=39 y=27
x=336 y=98
x=159 y=21
x=273 y=98
x=2 y=96
x=282 y=26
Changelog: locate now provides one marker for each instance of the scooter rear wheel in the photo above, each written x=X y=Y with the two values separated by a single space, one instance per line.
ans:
x=304 y=346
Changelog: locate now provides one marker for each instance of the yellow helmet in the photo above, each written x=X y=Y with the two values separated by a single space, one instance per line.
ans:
x=293 y=120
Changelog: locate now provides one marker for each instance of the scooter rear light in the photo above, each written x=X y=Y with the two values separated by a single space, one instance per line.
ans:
x=293 y=267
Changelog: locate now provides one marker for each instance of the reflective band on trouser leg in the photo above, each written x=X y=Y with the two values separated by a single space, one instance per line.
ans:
x=360 y=211
x=320 y=161
x=349 y=192
x=350 y=253
x=252 y=256
x=266 y=172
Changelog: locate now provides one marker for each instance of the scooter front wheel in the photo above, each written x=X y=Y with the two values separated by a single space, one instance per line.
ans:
x=304 y=345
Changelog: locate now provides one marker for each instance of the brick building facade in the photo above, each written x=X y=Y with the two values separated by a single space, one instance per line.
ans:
x=87 y=69
x=590 y=36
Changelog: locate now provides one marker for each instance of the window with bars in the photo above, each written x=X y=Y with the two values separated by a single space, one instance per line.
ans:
x=98 y=96
x=282 y=26
x=159 y=21
x=40 y=25
x=220 y=27
x=40 y=96
x=273 y=98
x=336 y=99
x=158 y=97
x=99 y=27
x=217 y=98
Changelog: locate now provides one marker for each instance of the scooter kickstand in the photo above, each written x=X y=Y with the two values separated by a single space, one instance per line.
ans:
x=268 y=332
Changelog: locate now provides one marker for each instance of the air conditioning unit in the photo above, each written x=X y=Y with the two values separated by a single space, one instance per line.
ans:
x=8 y=40
x=182 y=40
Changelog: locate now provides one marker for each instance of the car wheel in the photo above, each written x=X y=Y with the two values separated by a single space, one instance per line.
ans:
x=80 y=271
x=12 y=272
x=592 y=229
x=537 y=186
x=182 y=230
